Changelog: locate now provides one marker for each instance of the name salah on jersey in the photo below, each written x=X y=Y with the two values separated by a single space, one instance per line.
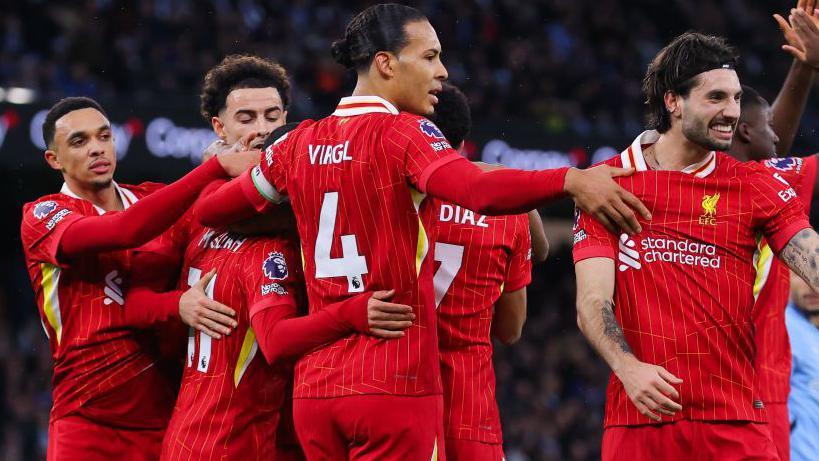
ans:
x=221 y=241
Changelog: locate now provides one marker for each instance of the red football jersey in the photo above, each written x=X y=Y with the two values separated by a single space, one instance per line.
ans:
x=81 y=304
x=684 y=286
x=772 y=290
x=229 y=402
x=477 y=259
x=356 y=182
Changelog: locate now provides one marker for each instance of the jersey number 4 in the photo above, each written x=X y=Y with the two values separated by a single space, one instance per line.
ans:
x=451 y=258
x=351 y=264
x=203 y=360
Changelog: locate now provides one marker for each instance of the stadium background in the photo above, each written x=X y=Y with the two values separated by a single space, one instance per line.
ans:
x=551 y=83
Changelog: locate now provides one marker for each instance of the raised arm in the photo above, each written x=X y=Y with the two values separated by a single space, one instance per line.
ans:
x=648 y=386
x=802 y=36
x=509 y=191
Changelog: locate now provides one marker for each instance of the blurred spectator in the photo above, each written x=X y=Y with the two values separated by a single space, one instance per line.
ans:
x=574 y=65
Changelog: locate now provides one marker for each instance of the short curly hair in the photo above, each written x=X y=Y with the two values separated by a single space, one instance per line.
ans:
x=241 y=71
x=452 y=115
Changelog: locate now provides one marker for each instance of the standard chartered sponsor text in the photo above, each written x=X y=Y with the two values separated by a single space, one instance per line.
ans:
x=680 y=252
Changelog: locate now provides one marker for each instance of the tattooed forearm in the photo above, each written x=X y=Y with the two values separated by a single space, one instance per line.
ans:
x=801 y=254
x=612 y=328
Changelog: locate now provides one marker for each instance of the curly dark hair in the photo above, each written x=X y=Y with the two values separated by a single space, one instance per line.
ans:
x=241 y=71
x=377 y=28
x=676 y=68
x=452 y=115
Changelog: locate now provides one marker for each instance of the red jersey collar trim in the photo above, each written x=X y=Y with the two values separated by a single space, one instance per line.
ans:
x=633 y=156
x=127 y=197
x=358 y=105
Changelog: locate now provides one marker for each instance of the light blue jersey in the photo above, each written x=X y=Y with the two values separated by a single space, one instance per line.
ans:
x=803 y=401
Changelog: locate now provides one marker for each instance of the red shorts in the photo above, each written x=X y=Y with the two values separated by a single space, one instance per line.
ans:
x=780 y=426
x=689 y=441
x=471 y=450
x=75 y=438
x=371 y=428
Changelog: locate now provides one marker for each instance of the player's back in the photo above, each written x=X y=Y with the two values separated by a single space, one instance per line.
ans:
x=477 y=258
x=684 y=285
x=348 y=176
x=81 y=305
x=229 y=402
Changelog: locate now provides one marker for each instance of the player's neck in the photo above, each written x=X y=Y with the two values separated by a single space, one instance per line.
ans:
x=739 y=152
x=367 y=87
x=674 y=152
x=105 y=197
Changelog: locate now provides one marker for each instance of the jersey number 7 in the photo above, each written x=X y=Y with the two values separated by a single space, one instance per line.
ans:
x=451 y=258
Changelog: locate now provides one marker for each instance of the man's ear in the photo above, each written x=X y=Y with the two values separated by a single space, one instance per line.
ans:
x=743 y=132
x=218 y=127
x=672 y=103
x=384 y=63
x=52 y=160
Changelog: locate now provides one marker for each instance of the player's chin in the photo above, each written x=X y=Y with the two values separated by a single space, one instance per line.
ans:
x=723 y=145
x=102 y=181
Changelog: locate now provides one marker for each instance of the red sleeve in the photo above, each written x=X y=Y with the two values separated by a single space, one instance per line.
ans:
x=779 y=214
x=282 y=337
x=141 y=222
x=236 y=200
x=591 y=239
x=151 y=298
x=808 y=185
x=799 y=172
x=419 y=146
x=272 y=279
x=519 y=269
x=505 y=191
x=43 y=226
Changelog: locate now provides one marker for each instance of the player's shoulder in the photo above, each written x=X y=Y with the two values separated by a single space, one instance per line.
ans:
x=143 y=189
x=409 y=121
x=729 y=166
x=276 y=256
x=303 y=127
x=792 y=166
x=47 y=205
x=280 y=243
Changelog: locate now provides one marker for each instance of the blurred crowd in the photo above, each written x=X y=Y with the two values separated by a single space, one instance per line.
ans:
x=574 y=65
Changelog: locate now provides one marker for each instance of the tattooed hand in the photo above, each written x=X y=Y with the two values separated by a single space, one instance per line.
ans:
x=801 y=254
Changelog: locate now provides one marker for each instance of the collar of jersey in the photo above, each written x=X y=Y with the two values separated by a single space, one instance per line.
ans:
x=633 y=156
x=127 y=197
x=358 y=105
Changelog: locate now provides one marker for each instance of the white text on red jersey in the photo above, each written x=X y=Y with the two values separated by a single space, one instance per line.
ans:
x=221 y=241
x=329 y=154
x=460 y=215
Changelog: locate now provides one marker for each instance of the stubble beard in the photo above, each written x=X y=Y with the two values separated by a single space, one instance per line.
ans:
x=696 y=131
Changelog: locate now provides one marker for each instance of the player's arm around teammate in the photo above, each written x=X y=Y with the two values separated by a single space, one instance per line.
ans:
x=650 y=387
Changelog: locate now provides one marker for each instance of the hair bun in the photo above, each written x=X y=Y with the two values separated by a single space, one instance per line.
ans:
x=341 y=53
